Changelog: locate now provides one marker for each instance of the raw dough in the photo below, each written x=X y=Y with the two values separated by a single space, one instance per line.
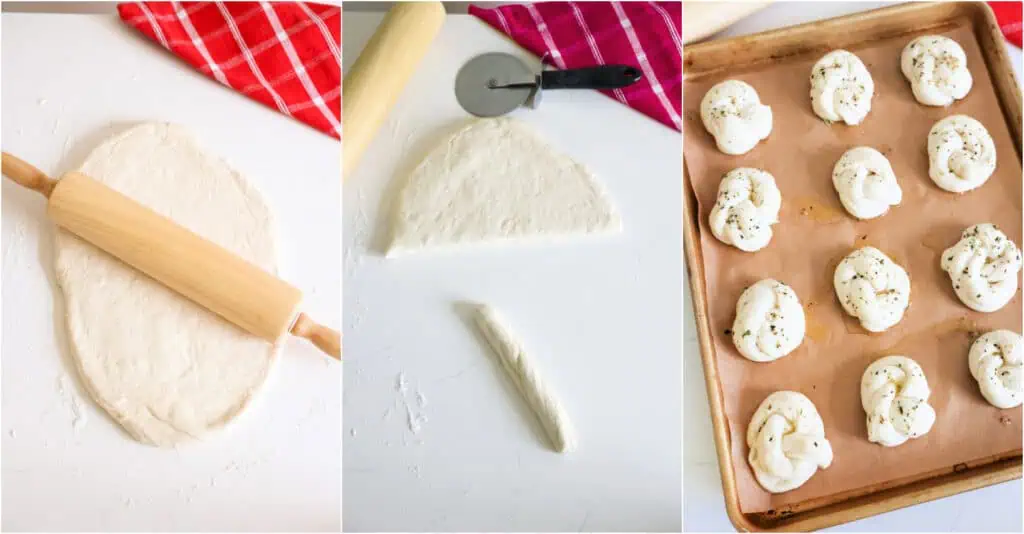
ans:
x=493 y=180
x=841 y=88
x=983 y=268
x=894 y=393
x=166 y=369
x=995 y=361
x=936 y=68
x=769 y=321
x=734 y=115
x=748 y=205
x=524 y=374
x=787 y=442
x=961 y=154
x=872 y=288
x=866 y=183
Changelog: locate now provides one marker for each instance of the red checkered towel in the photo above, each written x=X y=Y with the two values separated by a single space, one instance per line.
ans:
x=286 y=55
x=571 y=35
x=1008 y=15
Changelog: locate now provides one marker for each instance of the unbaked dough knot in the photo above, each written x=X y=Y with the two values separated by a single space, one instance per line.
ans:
x=872 y=288
x=995 y=361
x=894 y=393
x=787 y=442
x=866 y=183
x=841 y=88
x=961 y=153
x=936 y=68
x=748 y=205
x=769 y=322
x=733 y=114
x=983 y=268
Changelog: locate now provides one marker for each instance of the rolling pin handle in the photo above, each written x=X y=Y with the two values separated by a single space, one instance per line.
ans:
x=26 y=175
x=325 y=339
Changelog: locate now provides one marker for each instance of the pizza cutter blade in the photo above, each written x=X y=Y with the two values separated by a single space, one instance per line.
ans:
x=495 y=83
x=474 y=82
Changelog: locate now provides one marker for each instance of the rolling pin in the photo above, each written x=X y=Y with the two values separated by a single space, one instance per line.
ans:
x=374 y=83
x=702 y=19
x=199 y=270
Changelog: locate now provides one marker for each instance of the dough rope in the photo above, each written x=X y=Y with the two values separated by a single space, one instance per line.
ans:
x=872 y=288
x=733 y=114
x=787 y=442
x=961 y=154
x=995 y=360
x=524 y=374
x=983 y=268
x=936 y=68
x=769 y=322
x=748 y=205
x=841 y=88
x=894 y=393
x=866 y=183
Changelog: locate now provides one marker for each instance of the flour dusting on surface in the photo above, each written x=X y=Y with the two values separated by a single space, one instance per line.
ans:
x=79 y=417
x=414 y=416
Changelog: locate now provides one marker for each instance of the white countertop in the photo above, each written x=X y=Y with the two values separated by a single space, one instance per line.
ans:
x=68 y=82
x=600 y=315
x=996 y=508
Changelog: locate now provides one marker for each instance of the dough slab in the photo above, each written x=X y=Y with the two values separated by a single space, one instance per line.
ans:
x=495 y=180
x=164 y=368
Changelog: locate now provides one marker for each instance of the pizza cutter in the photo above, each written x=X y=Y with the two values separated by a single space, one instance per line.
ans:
x=493 y=84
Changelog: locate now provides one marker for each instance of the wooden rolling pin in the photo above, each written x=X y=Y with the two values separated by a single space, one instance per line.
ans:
x=374 y=83
x=702 y=19
x=200 y=270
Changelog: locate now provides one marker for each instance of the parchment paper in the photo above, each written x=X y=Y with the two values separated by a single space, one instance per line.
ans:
x=815 y=233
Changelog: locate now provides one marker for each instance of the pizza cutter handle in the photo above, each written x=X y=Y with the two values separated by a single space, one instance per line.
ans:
x=603 y=77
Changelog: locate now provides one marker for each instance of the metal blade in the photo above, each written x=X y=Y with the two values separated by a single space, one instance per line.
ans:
x=474 y=82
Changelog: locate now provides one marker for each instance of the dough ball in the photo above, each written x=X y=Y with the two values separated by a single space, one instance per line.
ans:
x=866 y=183
x=787 y=442
x=748 y=205
x=733 y=114
x=841 y=88
x=995 y=361
x=983 y=268
x=961 y=154
x=872 y=288
x=769 y=321
x=894 y=393
x=936 y=68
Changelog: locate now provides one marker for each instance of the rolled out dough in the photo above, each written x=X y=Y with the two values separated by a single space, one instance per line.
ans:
x=495 y=180
x=166 y=369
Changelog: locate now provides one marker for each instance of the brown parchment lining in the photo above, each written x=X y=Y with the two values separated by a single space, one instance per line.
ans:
x=814 y=233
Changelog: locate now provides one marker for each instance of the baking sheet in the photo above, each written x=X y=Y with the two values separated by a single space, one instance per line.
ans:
x=814 y=233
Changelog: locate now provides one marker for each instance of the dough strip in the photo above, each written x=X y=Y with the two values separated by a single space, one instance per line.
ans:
x=524 y=374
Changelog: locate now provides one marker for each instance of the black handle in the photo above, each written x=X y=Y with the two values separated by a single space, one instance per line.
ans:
x=603 y=77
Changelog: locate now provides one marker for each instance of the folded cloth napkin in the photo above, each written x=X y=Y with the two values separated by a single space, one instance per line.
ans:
x=1008 y=15
x=572 y=35
x=286 y=55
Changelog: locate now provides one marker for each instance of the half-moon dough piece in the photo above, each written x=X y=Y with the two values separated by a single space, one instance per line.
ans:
x=497 y=180
x=166 y=369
